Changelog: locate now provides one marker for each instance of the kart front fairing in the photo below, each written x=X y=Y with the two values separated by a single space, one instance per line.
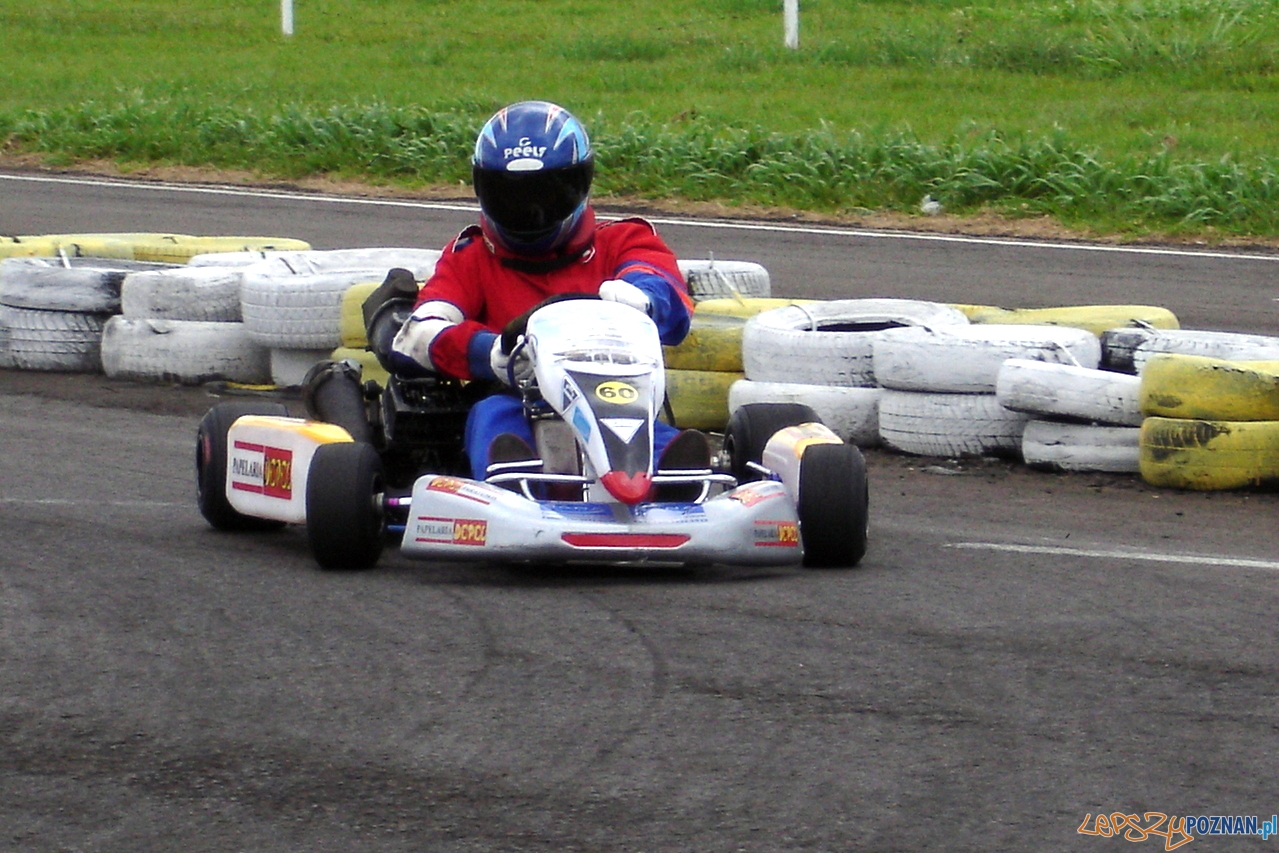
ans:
x=599 y=366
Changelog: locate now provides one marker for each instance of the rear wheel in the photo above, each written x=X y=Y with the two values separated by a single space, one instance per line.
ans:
x=345 y=519
x=834 y=504
x=750 y=428
x=210 y=465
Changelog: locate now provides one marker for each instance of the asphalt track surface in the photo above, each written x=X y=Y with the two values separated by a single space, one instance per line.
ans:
x=1017 y=650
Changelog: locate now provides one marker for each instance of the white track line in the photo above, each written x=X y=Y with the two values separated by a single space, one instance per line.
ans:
x=1117 y=554
x=688 y=223
x=90 y=502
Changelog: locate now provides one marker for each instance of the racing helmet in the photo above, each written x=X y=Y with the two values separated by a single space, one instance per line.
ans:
x=532 y=171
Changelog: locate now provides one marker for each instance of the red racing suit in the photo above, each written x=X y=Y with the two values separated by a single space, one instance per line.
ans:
x=476 y=289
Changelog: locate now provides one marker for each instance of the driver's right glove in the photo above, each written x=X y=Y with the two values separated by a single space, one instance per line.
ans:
x=501 y=362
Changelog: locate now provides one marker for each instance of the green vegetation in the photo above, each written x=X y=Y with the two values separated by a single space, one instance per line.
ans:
x=1134 y=116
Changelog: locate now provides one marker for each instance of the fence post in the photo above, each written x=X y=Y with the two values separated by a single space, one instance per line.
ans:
x=286 y=17
x=790 y=22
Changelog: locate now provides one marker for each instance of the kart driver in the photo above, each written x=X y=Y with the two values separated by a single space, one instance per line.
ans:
x=537 y=237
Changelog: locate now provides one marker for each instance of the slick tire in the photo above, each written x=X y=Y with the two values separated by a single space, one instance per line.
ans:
x=210 y=466
x=1051 y=390
x=1081 y=447
x=202 y=294
x=721 y=279
x=185 y=351
x=713 y=343
x=750 y=428
x=699 y=398
x=851 y=413
x=1228 y=346
x=833 y=506
x=61 y=341
x=831 y=343
x=949 y=425
x=345 y=521
x=1187 y=386
x=1210 y=455
x=1091 y=318
x=966 y=359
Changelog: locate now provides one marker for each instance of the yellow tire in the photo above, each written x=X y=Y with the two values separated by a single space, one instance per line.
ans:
x=1209 y=455
x=1094 y=318
x=368 y=362
x=1191 y=386
x=746 y=306
x=351 y=322
x=143 y=246
x=714 y=342
x=699 y=398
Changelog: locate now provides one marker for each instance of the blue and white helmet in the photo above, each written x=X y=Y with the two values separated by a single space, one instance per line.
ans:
x=532 y=170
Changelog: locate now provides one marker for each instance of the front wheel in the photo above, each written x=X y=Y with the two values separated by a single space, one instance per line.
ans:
x=750 y=428
x=834 y=505
x=210 y=465
x=344 y=513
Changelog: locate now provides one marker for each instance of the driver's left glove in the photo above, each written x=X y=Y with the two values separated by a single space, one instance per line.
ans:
x=616 y=290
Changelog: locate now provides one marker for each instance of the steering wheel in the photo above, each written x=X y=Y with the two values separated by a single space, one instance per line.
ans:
x=512 y=331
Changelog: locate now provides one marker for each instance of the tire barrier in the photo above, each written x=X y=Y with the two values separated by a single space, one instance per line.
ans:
x=1065 y=391
x=370 y=368
x=746 y=307
x=1209 y=455
x=87 y=286
x=831 y=343
x=140 y=246
x=293 y=300
x=351 y=331
x=1188 y=386
x=966 y=359
x=699 y=398
x=6 y=355
x=1081 y=447
x=851 y=413
x=714 y=342
x=186 y=351
x=949 y=424
x=64 y=341
x=714 y=279
x=1092 y=318
x=289 y=366
x=1229 y=346
x=206 y=294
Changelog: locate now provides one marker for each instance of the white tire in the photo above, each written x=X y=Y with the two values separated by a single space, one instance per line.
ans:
x=966 y=359
x=205 y=294
x=1119 y=345
x=1082 y=447
x=851 y=413
x=86 y=286
x=66 y=341
x=719 y=279
x=1230 y=346
x=6 y=355
x=186 y=351
x=831 y=343
x=949 y=424
x=1066 y=391
x=294 y=300
x=231 y=259
x=289 y=366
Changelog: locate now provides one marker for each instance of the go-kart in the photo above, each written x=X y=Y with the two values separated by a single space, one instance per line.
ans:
x=784 y=490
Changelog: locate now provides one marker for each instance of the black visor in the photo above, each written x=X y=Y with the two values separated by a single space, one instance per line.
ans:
x=532 y=203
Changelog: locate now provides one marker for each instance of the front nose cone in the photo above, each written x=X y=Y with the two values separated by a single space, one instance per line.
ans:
x=628 y=488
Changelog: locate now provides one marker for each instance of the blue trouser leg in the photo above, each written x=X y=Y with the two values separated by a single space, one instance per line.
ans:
x=501 y=413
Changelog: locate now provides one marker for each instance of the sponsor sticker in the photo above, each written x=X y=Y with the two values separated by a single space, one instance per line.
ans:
x=754 y=493
x=463 y=489
x=776 y=534
x=262 y=470
x=451 y=531
x=671 y=513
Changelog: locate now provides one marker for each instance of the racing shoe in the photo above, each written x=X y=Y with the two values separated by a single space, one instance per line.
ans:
x=511 y=454
x=688 y=451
